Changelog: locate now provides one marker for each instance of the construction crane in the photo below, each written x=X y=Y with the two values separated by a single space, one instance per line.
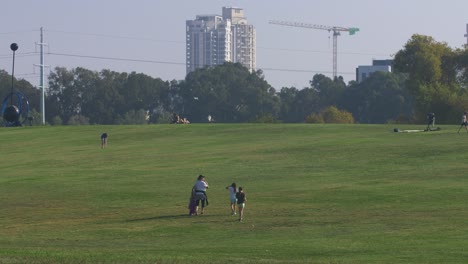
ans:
x=336 y=32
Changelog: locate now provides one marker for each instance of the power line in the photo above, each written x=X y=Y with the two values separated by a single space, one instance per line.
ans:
x=304 y=71
x=17 y=32
x=24 y=54
x=180 y=63
x=324 y=51
x=114 y=36
x=114 y=58
x=27 y=74
x=182 y=42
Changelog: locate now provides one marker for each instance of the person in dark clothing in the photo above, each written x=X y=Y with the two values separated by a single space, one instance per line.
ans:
x=241 y=199
x=103 y=140
x=430 y=121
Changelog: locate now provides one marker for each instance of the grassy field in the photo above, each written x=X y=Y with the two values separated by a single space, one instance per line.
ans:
x=316 y=194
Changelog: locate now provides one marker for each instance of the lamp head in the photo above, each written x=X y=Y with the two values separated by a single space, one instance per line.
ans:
x=14 y=46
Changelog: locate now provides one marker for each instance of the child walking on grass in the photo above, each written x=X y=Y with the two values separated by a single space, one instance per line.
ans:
x=232 y=197
x=240 y=195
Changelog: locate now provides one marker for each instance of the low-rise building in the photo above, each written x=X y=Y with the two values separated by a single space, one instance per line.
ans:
x=364 y=71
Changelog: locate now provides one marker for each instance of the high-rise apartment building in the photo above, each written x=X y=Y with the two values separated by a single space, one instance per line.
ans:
x=212 y=40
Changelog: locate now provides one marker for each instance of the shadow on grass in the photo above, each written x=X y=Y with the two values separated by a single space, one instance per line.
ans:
x=162 y=217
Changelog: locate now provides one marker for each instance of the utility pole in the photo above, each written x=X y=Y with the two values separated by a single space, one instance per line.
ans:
x=41 y=82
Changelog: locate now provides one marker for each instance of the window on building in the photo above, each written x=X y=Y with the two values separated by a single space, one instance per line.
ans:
x=363 y=76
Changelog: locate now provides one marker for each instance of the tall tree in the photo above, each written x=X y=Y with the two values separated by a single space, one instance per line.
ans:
x=328 y=90
x=380 y=98
x=110 y=104
x=431 y=66
x=229 y=93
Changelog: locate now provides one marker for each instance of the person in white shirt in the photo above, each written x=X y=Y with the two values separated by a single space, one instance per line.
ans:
x=199 y=188
x=464 y=123
x=232 y=196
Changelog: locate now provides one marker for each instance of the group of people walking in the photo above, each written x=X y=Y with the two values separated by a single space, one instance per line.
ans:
x=431 y=122
x=237 y=197
x=198 y=196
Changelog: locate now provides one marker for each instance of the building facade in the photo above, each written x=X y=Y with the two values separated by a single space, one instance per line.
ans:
x=363 y=72
x=212 y=40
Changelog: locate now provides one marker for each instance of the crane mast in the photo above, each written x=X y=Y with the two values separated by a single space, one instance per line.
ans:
x=336 y=32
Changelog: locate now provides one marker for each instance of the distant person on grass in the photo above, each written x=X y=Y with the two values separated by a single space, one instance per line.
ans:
x=232 y=197
x=103 y=140
x=199 y=189
x=430 y=121
x=463 y=123
x=241 y=199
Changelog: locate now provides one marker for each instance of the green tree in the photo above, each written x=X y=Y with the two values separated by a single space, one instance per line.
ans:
x=296 y=104
x=229 y=93
x=329 y=91
x=433 y=70
x=64 y=92
x=144 y=92
x=380 y=98
x=133 y=117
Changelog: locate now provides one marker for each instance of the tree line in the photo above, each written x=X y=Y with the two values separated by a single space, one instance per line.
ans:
x=428 y=76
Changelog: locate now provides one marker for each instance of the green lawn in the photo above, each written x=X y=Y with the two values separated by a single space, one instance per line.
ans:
x=316 y=194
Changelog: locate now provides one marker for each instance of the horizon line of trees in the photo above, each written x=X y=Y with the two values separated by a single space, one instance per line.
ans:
x=428 y=76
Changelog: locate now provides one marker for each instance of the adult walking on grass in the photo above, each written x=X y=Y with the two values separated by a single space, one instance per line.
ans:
x=232 y=197
x=464 y=123
x=430 y=121
x=199 y=189
x=103 y=140
x=241 y=199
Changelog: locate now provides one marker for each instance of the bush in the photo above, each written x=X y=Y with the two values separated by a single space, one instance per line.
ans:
x=56 y=121
x=133 y=117
x=160 y=116
x=314 y=119
x=331 y=114
x=266 y=118
x=34 y=118
x=78 y=120
x=401 y=119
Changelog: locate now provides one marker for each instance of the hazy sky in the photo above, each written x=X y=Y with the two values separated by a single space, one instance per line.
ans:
x=148 y=36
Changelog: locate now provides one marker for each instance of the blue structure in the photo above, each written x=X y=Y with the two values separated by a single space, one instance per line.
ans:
x=15 y=114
